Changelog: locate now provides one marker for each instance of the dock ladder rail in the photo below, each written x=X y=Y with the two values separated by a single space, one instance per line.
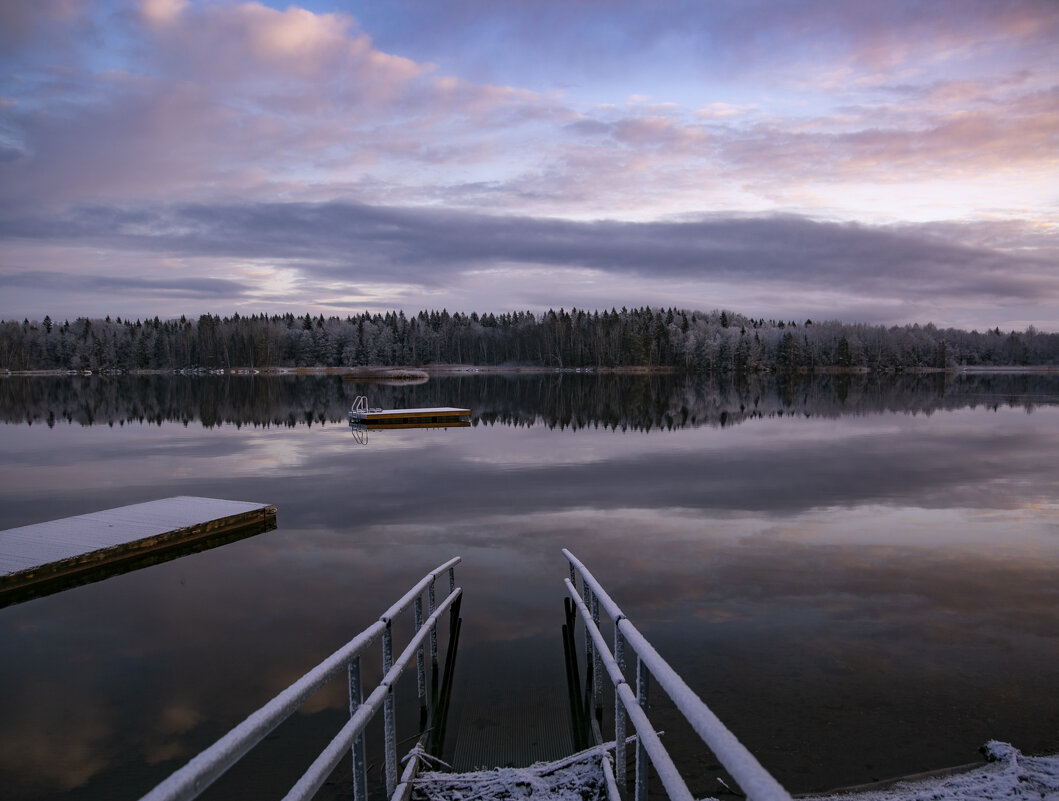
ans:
x=360 y=408
x=754 y=780
x=198 y=774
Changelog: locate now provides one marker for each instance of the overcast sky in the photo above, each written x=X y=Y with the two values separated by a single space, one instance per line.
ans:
x=883 y=162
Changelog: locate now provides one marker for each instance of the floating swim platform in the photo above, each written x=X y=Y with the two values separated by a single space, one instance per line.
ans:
x=47 y=557
x=438 y=417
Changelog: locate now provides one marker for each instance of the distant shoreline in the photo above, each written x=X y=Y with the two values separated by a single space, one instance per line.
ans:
x=420 y=373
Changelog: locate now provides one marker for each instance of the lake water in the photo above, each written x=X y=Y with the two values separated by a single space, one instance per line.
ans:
x=860 y=576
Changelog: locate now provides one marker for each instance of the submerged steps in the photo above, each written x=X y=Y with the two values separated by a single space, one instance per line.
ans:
x=47 y=557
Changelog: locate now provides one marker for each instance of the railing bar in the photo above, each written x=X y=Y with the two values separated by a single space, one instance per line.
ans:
x=663 y=763
x=667 y=772
x=205 y=768
x=335 y=751
x=403 y=792
x=601 y=647
x=402 y=661
x=743 y=766
x=409 y=596
x=608 y=777
x=611 y=608
x=314 y=778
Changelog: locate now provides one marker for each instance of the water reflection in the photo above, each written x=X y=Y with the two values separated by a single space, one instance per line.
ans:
x=858 y=595
x=564 y=400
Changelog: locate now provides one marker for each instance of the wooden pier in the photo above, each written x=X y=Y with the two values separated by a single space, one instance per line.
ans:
x=48 y=557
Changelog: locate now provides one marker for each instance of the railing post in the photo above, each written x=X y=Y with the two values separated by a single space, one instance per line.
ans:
x=356 y=698
x=421 y=685
x=452 y=580
x=597 y=668
x=586 y=596
x=433 y=629
x=643 y=684
x=619 y=712
x=591 y=677
x=388 y=714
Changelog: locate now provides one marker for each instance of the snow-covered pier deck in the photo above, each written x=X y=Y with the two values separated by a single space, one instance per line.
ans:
x=45 y=557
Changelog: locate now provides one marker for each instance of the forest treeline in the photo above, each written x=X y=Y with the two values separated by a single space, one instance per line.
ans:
x=719 y=341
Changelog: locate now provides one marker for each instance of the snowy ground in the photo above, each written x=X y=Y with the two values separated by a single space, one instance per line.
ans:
x=1009 y=775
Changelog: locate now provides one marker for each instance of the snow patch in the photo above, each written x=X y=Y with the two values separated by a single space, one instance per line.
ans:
x=1008 y=775
x=567 y=780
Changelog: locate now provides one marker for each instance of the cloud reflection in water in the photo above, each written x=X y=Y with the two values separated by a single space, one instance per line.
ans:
x=858 y=596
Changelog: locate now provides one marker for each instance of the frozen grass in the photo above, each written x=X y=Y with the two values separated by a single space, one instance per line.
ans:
x=577 y=778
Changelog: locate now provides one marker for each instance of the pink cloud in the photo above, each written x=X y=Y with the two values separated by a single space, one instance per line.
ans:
x=250 y=43
x=880 y=36
x=723 y=111
x=226 y=98
x=162 y=12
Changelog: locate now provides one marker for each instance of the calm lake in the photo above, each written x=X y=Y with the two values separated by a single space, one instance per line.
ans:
x=859 y=575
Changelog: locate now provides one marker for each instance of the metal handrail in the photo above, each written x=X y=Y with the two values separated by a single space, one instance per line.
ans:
x=756 y=782
x=198 y=774
x=360 y=408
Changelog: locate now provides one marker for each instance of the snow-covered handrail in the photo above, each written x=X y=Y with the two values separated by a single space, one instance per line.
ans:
x=198 y=774
x=314 y=778
x=756 y=782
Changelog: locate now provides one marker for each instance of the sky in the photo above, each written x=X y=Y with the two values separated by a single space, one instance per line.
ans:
x=885 y=163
